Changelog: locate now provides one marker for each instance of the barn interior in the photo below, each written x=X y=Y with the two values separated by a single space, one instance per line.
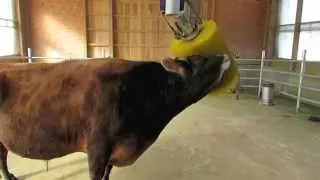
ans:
x=271 y=131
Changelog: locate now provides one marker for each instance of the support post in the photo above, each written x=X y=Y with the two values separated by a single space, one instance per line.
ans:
x=263 y=56
x=103 y=53
x=47 y=166
x=296 y=35
x=112 y=27
x=301 y=79
x=29 y=55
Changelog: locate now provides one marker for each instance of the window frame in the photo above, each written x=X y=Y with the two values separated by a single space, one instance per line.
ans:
x=15 y=24
x=297 y=29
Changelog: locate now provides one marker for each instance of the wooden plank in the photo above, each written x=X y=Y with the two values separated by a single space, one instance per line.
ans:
x=87 y=27
x=111 y=34
x=21 y=28
x=272 y=28
x=213 y=10
x=139 y=30
x=99 y=27
x=267 y=25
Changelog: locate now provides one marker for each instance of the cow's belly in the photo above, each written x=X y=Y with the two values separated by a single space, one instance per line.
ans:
x=33 y=143
x=38 y=148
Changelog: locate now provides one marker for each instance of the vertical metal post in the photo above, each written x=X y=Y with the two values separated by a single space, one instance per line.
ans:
x=47 y=165
x=68 y=57
x=301 y=79
x=29 y=55
x=263 y=57
x=103 y=52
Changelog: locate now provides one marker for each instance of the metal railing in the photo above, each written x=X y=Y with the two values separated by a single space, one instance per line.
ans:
x=259 y=78
x=29 y=58
x=301 y=75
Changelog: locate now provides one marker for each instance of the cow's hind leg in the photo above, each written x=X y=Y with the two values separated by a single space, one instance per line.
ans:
x=107 y=172
x=98 y=156
x=3 y=164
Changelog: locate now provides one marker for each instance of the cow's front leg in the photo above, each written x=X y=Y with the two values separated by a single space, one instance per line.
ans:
x=107 y=172
x=3 y=164
x=98 y=157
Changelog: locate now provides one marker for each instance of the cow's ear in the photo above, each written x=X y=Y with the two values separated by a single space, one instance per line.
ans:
x=171 y=65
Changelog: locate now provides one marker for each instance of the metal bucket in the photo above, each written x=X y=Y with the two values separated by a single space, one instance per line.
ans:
x=267 y=94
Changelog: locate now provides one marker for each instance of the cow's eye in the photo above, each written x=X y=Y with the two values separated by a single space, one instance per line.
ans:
x=186 y=64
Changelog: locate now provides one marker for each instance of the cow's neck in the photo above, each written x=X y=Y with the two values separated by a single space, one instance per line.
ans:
x=151 y=97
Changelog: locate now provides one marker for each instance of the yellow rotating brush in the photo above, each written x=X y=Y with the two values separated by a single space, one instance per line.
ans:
x=209 y=42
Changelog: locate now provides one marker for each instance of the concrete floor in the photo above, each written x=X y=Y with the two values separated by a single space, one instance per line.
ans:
x=220 y=139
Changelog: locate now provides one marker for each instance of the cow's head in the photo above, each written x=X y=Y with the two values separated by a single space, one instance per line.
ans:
x=201 y=73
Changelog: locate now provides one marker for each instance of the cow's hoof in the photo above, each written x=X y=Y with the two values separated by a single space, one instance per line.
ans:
x=12 y=177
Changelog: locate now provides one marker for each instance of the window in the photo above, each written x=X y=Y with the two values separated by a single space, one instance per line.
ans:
x=8 y=28
x=310 y=11
x=284 y=44
x=287 y=10
x=310 y=30
x=285 y=33
x=309 y=38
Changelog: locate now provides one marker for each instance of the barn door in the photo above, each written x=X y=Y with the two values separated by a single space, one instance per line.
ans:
x=130 y=29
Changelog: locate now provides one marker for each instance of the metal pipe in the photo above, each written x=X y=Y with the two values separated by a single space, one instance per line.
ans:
x=256 y=60
x=291 y=73
x=47 y=165
x=302 y=98
x=272 y=60
x=311 y=88
x=249 y=69
x=8 y=20
x=248 y=78
x=13 y=57
x=281 y=72
x=263 y=56
x=312 y=76
x=103 y=53
x=301 y=78
x=249 y=86
x=39 y=57
x=281 y=83
x=292 y=85
x=29 y=55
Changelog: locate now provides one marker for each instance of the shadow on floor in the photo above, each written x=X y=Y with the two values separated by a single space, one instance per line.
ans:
x=78 y=161
x=80 y=171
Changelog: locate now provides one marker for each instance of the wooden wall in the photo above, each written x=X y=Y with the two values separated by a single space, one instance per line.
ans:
x=243 y=25
x=57 y=28
x=133 y=29
x=99 y=28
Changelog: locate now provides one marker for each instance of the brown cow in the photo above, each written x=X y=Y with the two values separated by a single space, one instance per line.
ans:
x=113 y=110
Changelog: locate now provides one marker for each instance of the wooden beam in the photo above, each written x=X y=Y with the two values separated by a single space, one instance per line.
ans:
x=297 y=29
x=213 y=10
x=23 y=18
x=271 y=28
x=87 y=27
x=112 y=21
x=20 y=28
x=296 y=36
